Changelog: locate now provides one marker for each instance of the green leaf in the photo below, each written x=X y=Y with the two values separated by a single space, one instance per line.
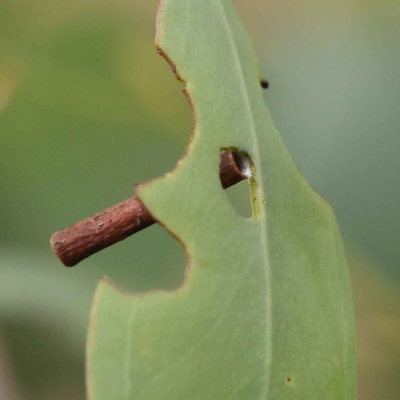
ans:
x=265 y=311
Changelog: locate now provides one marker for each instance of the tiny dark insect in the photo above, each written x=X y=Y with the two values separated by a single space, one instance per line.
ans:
x=264 y=83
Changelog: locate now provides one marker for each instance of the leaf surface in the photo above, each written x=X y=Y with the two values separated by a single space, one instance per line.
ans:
x=265 y=311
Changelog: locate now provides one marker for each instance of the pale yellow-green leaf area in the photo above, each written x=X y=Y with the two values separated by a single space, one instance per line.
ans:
x=265 y=311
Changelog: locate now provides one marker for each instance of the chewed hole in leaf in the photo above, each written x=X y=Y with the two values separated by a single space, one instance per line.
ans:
x=159 y=262
x=240 y=198
x=240 y=195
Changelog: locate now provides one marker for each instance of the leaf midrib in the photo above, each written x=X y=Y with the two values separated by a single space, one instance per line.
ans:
x=264 y=235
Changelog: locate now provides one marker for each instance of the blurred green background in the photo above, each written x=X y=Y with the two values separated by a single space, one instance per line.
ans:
x=88 y=108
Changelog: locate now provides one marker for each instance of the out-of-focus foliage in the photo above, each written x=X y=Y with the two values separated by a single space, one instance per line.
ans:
x=87 y=109
x=377 y=306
